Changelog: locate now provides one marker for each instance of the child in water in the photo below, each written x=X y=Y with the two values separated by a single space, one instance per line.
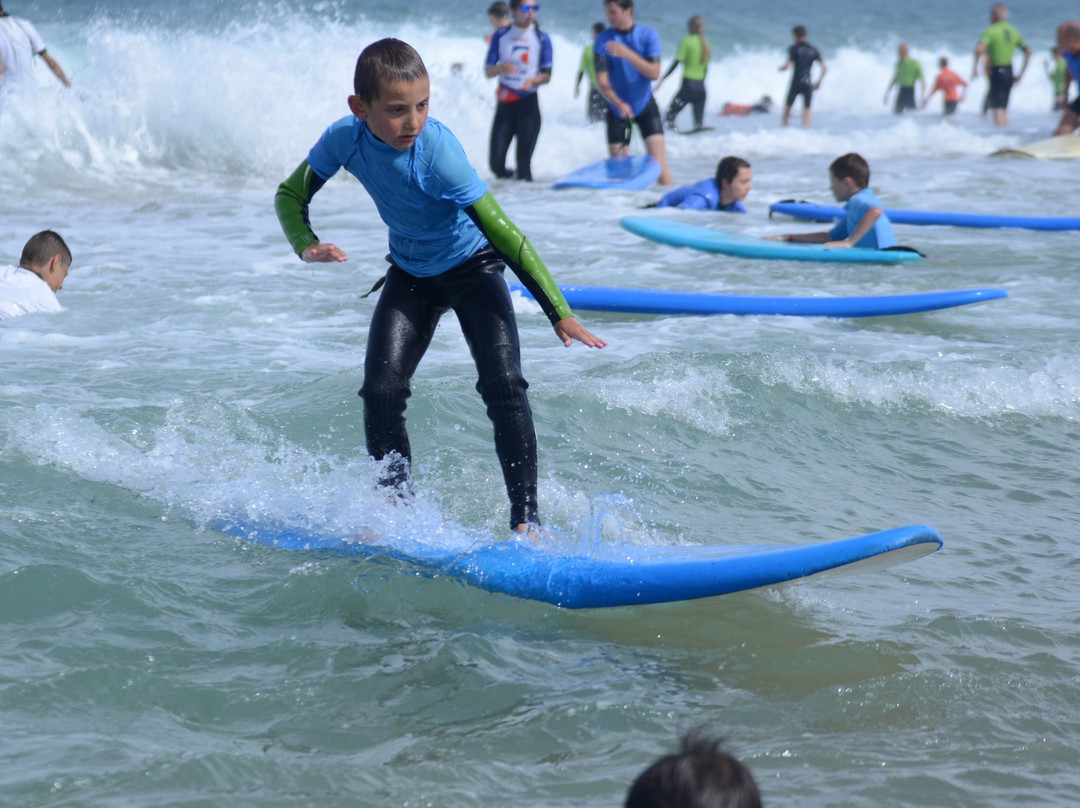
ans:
x=449 y=243
x=864 y=224
x=725 y=192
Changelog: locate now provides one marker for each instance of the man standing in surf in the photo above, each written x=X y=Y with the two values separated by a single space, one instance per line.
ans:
x=19 y=44
x=449 y=244
x=627 y=63
x=997 y=45
x=801 y=56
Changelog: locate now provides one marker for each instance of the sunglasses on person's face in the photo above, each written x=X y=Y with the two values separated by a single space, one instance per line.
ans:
x=527 y=7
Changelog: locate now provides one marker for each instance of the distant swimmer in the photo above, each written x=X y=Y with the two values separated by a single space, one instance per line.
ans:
x=997 y=45
x=764 y=105
x=801 y=56
x=724 y=192
x=907 y=74
x=1068 y=42
x=865 y=224
x=952 y=87
x=693 y=54
x=520 y=55
x=31 y=287
x=19 y=44
x=595 y=106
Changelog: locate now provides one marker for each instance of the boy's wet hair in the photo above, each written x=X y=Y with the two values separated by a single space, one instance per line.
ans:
x=799 y=30
x=41 y=248
x=388 y=61
x=702 y=774
x=728 y=168
x=851 y=165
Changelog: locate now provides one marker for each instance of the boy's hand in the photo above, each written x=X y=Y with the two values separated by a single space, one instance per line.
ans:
x=323 y=253
x=569 y=329
x=834 y=244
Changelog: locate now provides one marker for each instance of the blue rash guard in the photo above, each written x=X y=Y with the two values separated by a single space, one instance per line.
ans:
x=1072 y=62
x=703 y=195
x=880 y=236
x=628 y=84
x=421 y=193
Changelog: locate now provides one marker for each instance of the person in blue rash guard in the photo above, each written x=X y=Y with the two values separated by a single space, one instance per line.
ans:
x=724 y=192
x=627 y=63
x=864 y=224
x=449 y=242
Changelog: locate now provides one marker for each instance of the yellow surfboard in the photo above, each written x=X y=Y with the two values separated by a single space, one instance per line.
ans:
x=1064 y=147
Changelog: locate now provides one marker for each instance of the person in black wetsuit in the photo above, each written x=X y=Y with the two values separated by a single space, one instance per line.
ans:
x=449 y=243
x=520 y=55
x=802 y=56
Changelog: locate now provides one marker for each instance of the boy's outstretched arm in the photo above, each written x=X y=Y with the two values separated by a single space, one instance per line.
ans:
x=523 y=259
x=291 y=205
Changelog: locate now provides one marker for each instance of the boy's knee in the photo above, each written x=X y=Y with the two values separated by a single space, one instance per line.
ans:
x=502 y=387
x=383 y=384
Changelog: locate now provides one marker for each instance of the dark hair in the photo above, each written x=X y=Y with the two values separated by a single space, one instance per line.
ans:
x=625 y=5
x=41 y=248
x=387 y=61
x=728 y=168
x=799 y=30
x=851 y=165
x=701 y=775
x=498 y=9
x=597 y=27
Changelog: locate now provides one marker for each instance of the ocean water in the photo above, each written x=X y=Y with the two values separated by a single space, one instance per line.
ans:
x=200 y=371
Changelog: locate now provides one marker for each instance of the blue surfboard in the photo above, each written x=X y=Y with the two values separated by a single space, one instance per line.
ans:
x=677 y=234
x=831 y=213
x=630 y=173
x=662 y=301
x=620 y=574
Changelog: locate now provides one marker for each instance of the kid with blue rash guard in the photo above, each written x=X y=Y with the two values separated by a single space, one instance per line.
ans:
x=725 y=192
x=449 y=241
x=864 y=224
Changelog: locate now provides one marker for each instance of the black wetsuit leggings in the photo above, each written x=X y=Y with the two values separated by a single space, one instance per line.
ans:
x=691 y=92
x=517 y=119
x=401 y=329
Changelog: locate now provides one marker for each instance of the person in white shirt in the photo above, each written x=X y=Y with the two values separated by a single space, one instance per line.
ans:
x=19 y=44
x=32 y=285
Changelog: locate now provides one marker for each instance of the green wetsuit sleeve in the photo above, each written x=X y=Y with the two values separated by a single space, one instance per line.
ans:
x=291 y=205
x=520 y=255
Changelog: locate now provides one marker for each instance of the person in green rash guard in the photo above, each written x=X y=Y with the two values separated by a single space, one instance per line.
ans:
x=997 y=45
x=596 y=106
x=1058 y=74
x=694 y=54
x=449 y=241
x=908 y=72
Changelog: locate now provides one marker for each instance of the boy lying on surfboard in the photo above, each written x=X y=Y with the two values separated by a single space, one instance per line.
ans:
x=864 y=224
